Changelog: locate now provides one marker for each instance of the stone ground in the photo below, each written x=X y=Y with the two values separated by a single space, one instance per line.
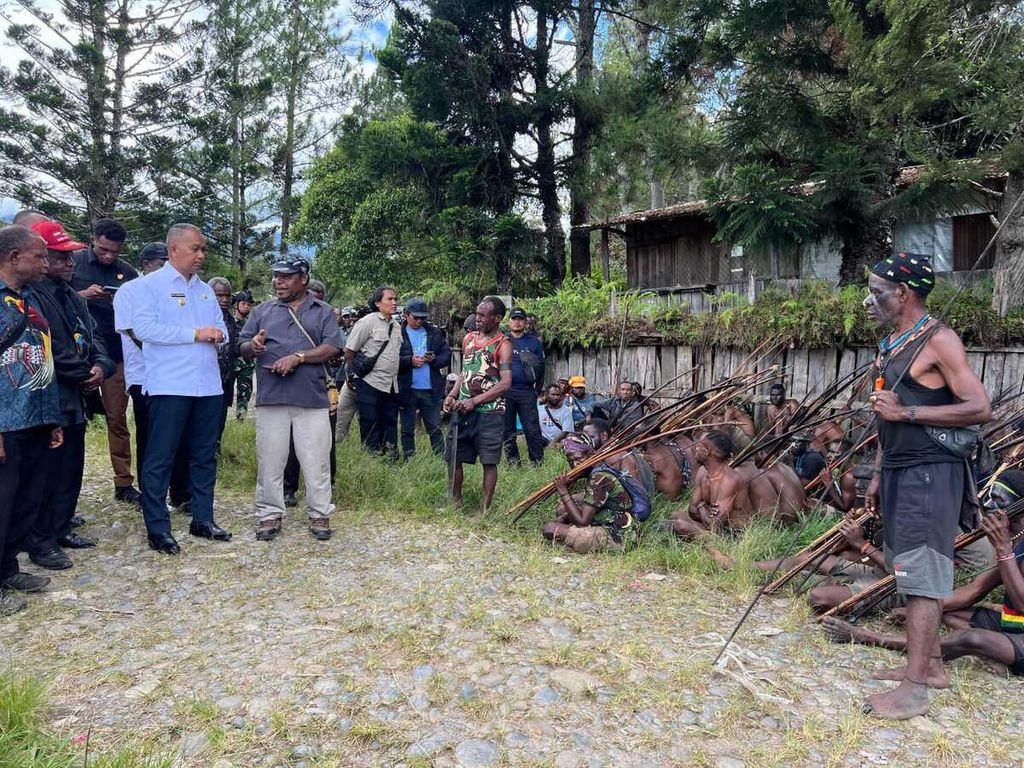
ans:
x=418 y=644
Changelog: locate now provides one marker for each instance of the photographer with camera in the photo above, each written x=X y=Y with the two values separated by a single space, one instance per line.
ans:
x=425 y=353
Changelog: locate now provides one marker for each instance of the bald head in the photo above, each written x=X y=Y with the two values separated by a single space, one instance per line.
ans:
x=186 y=248
x=22 y=256
x=27 y=217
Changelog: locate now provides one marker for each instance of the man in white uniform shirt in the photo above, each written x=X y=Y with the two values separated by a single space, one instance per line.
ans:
x=151 y=258
x=177 y=319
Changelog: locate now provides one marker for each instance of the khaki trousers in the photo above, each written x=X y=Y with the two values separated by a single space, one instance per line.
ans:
x=311 y=428
x=119 y=439
x=346 y=412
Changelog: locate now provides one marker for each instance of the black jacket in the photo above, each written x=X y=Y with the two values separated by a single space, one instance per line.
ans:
x=67 y=314
x=436 y=343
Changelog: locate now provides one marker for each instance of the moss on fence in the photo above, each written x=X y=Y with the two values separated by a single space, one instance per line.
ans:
x=817 y=316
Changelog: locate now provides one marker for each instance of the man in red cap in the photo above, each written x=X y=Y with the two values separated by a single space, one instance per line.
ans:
x=81 y=363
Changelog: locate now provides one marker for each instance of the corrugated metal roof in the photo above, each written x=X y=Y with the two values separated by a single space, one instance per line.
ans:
x=906 y=177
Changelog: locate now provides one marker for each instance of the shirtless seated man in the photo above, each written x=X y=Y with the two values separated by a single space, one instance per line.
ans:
x=726 y=497
x=780 y=408
x=608 y=513
x=993 y=634
x=656 y=466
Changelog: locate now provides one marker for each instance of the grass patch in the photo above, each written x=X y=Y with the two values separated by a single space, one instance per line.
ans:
x=26 y=743
x=367 y=486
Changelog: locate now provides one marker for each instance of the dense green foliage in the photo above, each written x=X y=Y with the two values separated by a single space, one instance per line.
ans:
x=817 y=316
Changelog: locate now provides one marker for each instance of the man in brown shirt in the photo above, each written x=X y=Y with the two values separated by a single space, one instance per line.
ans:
x=377 y=340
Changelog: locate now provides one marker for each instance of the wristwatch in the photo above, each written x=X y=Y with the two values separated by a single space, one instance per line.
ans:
x=301 y=356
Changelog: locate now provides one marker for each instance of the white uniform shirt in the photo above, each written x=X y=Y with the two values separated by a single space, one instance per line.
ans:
x=166 y=313
x=134 y=363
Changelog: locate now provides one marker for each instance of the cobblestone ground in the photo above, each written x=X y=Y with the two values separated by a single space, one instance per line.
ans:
x=401 y=642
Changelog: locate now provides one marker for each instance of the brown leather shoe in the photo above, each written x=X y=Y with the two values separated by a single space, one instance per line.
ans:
x=320 y=527
x=267 y=530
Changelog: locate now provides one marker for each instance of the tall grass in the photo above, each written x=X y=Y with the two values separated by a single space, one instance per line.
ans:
x=26 y=743
x=369 y=486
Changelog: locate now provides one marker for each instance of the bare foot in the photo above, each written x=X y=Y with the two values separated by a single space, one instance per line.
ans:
x=936 y=678
x=903 y=702
x=721 y=559
x=839 y=631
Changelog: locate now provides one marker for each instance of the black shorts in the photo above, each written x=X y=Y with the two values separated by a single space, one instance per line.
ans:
x=480 y=435
x=986 y=618
x=921 y=518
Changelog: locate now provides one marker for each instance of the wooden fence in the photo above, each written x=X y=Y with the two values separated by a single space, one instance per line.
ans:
x=804 y=370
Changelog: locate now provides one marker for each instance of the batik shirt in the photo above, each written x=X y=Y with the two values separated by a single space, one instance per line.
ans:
x=480 y=371
x=28 y=392
x=613 y=506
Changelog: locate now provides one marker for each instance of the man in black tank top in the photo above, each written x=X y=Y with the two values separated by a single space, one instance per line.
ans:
x=918 y=485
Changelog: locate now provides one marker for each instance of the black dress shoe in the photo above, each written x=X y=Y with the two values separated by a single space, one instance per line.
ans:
x=128 y=494
x=54 y=559
x=209 y=530
x=25 y=582
x=164 y=542
x=75 y=541
x=77 y=521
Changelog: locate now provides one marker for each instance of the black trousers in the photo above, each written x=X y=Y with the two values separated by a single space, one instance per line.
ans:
x=181 y=483
x=23 y=481
x=141 y=413
x=378 y=419
x=291 y=469
x=63 y=468
x=421 y=401
x=172 y=420
x=522 y=402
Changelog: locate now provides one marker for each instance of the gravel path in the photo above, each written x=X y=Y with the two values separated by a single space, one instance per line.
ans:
x=405 y=643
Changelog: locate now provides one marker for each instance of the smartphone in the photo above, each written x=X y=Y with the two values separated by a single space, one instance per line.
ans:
x=111 y=289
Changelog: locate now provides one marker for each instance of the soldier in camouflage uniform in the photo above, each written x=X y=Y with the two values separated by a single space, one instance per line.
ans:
x=243 y=368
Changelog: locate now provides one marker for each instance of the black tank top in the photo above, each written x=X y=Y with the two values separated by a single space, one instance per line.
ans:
x=905 y=444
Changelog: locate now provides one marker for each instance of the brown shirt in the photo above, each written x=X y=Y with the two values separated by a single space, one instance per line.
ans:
x=368 y=336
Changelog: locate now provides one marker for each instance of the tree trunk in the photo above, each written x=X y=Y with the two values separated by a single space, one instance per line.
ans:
x=1008 y=269
x=96 y=96
x=547 y=180
x=236 y=153
x=583 y=131
x=861 y=251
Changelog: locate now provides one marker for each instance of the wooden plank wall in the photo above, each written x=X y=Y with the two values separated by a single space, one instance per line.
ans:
x=805 y=370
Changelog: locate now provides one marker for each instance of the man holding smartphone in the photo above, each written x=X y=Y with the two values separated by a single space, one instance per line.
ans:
x=99 y=272
x=424 y=354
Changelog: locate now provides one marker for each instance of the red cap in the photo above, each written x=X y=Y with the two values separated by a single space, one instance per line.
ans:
x=55 y=236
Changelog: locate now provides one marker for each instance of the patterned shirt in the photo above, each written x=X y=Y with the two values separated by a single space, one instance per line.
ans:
x=480 y=370
x=28 y=392
x=613 y=506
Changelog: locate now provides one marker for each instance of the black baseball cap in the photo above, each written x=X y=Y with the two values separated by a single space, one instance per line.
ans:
x=153 y=251
x=517 y=314
x=293 y=265
x=417 y=307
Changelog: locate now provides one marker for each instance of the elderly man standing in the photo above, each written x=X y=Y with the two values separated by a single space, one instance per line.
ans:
x=371 y=356
x=926 y=391
x=292 y=338
x=178 y=321
x=81 y=363
x=227 y=354
x=99 y=273
x=29 y=405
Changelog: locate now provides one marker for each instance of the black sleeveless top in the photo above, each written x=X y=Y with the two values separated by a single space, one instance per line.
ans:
x=905 y=444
